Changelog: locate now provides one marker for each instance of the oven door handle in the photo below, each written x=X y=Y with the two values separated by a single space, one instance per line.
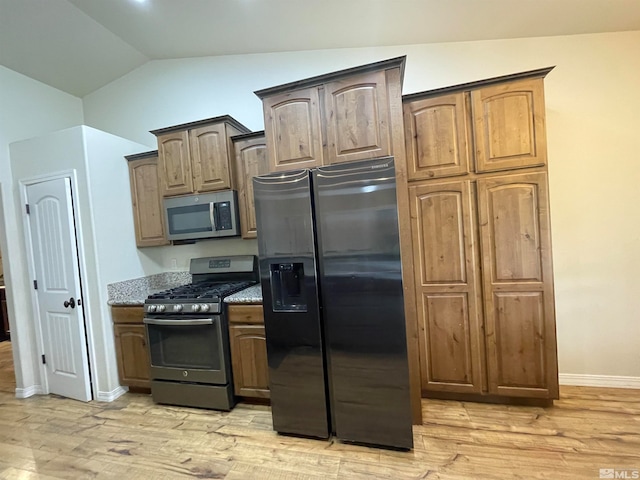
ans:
x=186 y=323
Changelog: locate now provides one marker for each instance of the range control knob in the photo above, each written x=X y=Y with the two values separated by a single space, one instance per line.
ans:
x=205 y=307
x=177 y=308
x=151 y=308
x=195 y=308
x=161 y=308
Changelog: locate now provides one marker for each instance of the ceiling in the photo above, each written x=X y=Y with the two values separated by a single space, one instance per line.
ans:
x=80 y=45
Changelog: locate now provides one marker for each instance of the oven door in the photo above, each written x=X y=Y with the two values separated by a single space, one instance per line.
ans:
x=188 y=349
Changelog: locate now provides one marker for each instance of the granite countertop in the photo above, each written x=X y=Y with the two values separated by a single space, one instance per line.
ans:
x=136 y=291
x=253 y=294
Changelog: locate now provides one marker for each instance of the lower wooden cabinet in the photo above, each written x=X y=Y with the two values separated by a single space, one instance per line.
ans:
x=131 y=347
x=248 y=351
x=484 y=284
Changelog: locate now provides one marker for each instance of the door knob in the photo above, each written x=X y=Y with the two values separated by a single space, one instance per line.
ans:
x=71 y=303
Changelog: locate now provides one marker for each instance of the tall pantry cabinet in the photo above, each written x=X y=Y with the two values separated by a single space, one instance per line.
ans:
x=480 y=226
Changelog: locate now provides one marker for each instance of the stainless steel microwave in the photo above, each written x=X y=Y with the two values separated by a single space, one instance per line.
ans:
x=210 y=215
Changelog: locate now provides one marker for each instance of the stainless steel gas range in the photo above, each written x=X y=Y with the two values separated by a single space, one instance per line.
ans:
x=188 y=334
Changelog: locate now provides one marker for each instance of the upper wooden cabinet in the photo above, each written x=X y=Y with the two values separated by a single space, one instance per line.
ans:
x=250 y=160
x=485 y=126
x=196 y=157
x=148 y=217
x=338 y=117
x=509 y=125
x=292 y=125
x=436 y=134
x=356 y=115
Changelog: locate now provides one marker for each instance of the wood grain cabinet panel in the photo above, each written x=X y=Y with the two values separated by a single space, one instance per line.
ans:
x=356 y=115
x=518 y=285
x=210 y=158
x=249 y=351
x=131 y=347
x=482 y=245
x=509 y=125
x=196 y=157
x=250 y=160
x=176 y=177
x=445 y=262
x=436 y=131
x=133 y=359
x=249 y=360
x=148 y=215
x=292 y=128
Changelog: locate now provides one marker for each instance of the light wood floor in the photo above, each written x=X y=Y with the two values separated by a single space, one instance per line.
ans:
x=131 y=438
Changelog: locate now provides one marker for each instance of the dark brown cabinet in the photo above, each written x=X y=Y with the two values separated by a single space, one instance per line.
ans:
x=248 y=351
x=131 y=347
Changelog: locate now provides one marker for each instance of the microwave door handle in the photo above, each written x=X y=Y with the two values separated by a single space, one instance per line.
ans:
x=212 y=216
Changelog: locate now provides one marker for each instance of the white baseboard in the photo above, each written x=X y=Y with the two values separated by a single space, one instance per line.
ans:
x=599 y=381
x=112 y=395
x=29 y=391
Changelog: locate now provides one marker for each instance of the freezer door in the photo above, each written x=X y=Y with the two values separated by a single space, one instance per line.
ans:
x=362 y=301
x=295 y=354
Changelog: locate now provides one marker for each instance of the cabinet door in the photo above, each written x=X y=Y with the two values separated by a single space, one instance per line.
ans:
x=174 y=164
x=148 y=215
x=250 y=161
x=249 y=360
x=446 y=276
x=356 y=116
x=132 y=355
x=436 y=137
x=210 y=158
x=518 y=285
x=509 y=125
x=292 y=129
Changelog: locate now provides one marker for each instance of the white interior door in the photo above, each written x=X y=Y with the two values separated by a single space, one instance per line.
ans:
x=61 y=317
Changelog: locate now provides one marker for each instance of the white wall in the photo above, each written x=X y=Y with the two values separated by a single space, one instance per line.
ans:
x=27 y=108
x=593 y=102
x=112 y=243
x=105 y=231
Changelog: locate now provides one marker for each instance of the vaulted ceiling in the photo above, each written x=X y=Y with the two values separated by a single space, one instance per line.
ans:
x=80 y=45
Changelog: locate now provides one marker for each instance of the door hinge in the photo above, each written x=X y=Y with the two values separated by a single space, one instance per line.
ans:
x=35 y=284
x=44 y=360
x=27 y=208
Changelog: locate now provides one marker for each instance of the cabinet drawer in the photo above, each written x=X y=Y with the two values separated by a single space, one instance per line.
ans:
x=129 y=314
x=247 y=314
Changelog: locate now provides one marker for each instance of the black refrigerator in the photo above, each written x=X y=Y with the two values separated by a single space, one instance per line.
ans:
x=333 y=305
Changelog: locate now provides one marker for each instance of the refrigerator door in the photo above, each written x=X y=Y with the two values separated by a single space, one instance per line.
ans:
x=287 y=256
x=362 y=302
